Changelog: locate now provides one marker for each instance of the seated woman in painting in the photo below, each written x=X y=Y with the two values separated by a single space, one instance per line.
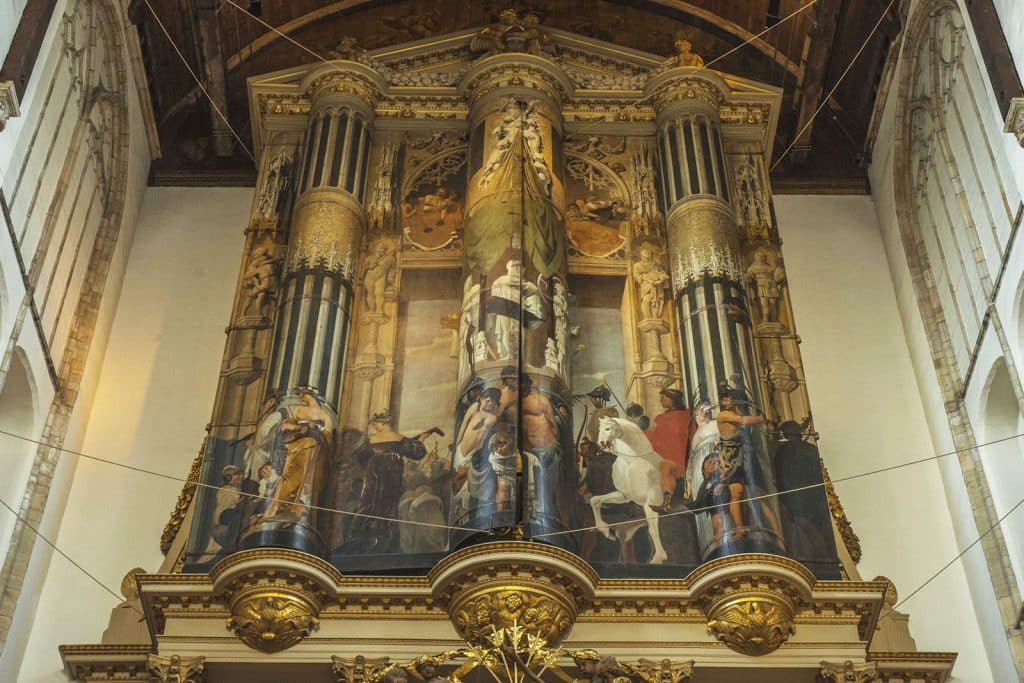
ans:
x=383 y=456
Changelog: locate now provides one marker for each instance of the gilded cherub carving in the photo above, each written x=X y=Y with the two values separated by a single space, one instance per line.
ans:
x=512 y=33
x=684 y=57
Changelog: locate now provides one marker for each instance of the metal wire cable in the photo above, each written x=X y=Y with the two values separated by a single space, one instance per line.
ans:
x=839 y=81
x=63 y=554
x=395 y=520
x=955 y=558
x=198 y=81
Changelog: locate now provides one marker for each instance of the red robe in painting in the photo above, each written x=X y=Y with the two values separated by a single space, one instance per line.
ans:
x=670 y=438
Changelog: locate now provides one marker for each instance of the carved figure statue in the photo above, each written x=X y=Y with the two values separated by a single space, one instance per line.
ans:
x=274 y=183
x=512 y=33
x=684 y=57
x=598 y=669
x=259 y=281
x=379 y=266
x=651 y=279
x=347 y=49
x=766 y=279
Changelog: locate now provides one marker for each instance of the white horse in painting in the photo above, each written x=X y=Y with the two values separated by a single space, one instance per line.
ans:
x=635 y=477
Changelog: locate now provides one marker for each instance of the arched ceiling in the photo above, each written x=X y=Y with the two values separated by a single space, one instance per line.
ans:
x=803 y=55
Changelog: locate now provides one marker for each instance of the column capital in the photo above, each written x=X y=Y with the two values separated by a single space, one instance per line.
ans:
x=1014 y=119
x=517 y=74
x=686 y=89
x=848 y=672
x=344 y=82
x=175 y=669
x=8 y=103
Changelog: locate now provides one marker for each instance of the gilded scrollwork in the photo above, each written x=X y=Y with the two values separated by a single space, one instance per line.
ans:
x=184 y=501
x=515 y=655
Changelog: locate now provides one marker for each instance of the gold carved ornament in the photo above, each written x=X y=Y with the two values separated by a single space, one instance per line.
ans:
x=752 y=625
x=188 y=492
x=835 y=506
x=175 y=669
x=515 y=655
x=271 y=621
x=543 y=614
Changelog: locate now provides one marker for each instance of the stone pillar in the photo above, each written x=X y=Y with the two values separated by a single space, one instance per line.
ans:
x=315 y=305
x=730 y=460
x=514 y=410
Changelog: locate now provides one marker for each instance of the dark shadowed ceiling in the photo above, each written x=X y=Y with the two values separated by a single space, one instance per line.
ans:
x=804 y=55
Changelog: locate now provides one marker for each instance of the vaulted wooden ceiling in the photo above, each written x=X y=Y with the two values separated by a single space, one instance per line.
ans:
x=804 y=55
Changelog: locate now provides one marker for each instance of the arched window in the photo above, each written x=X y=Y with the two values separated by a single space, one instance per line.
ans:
x=1002 y=458
x=953 y=180
x=17 y=416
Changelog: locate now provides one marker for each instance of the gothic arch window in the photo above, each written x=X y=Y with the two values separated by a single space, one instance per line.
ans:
x=1002 y=458
x=18 y=406
x=61 y=217
x=954 y=186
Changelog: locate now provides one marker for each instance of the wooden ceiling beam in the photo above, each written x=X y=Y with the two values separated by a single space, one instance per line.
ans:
x=207 y=32
x=814 y=68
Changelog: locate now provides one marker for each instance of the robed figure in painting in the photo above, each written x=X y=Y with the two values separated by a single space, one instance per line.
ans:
x=383 y=456
x=285 y=467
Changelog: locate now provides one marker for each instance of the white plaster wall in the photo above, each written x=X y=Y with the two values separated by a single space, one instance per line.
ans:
x=153 y=399
x=867 y=408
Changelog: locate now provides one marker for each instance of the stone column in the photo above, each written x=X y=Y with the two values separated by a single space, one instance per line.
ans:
x=514 y=410
x=719 y=370
x=315 y=305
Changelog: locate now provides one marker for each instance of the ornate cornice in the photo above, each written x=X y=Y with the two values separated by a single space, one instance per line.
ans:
x=503 y=585
x=350 y=80
x=686 y=87
x=516 y=73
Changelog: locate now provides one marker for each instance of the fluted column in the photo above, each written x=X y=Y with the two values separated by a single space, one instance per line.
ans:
x=315 y=306
x=719 y=368
x=514 y=410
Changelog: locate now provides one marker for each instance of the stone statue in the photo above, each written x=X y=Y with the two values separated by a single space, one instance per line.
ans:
x=274 y=183
x=651 y=280
x=379 y=267
x=765 y=280
x=259 y=282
